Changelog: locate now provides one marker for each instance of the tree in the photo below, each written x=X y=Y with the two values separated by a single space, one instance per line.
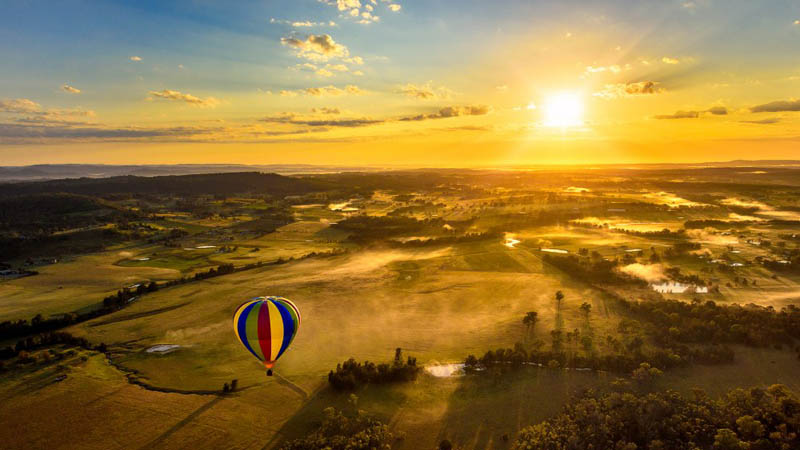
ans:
x=646 y=374
x=586 y=309
x=749 y=428
x=726 y=439
x=559 y=297
x=530 y=320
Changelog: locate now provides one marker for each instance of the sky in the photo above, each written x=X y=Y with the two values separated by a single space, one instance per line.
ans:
x=465 y=83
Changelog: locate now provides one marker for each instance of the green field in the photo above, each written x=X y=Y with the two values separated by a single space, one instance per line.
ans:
x=439 y=302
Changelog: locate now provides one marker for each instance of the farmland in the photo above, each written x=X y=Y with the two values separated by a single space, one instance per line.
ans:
x=438 y=266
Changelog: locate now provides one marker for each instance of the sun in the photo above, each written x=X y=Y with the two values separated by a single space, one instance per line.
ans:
x=563 y=110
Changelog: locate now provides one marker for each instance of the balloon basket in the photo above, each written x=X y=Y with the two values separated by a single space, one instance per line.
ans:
x=269 y=372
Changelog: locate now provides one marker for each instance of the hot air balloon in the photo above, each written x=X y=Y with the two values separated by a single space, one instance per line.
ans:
x=266 y=327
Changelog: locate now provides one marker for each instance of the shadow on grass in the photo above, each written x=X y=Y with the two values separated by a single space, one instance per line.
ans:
x=488 y=410
x=196 y=413
x=383 y=402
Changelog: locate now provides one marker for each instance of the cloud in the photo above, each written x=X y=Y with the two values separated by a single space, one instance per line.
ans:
x=9 y=131
x=451 y=111
x=680 y=115
x=777 y=106
x=718 y=110
x=357 y=60
x=769 y=121
x=714 y=110
x=619 y=90
x=394 y=7
x=426 y=91
x=367 y=18
x=302 y=23
x=289 y=118
x=72 y=90
x=34 y=113
x=344 y=5
x=208 y=102
x=135 y=58
x=324 y=91
x=614 y=68
x=668 y=60
x=19 y=105
x=325 y=110
x=316 y=47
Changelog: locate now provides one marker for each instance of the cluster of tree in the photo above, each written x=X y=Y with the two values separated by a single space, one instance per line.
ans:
x=756 y=419
x=714 y=223
x=54 y=245
x=354 y=430
x=352 y=374
x=365 y=228
x=126 y=295
x=674 y=273
x=592 y=269
x=681 y=248
x=24 y=346
x=32 y=215
x=624 y=358
x=788 y=265
x=232 y=387
x=673 y=321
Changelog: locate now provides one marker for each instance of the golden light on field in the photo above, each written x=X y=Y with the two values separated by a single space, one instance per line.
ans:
x=564 y=109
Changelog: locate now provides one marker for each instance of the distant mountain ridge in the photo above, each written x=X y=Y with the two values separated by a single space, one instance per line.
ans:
x=61 y=171
x=213 y=184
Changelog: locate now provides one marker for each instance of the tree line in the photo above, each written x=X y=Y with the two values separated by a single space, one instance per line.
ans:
x=754 y=419
x=352 y=374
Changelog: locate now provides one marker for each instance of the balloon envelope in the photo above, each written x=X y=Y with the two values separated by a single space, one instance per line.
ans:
x=266 y=327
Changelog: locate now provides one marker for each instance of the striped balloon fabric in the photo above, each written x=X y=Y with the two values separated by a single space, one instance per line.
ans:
x=266 y=327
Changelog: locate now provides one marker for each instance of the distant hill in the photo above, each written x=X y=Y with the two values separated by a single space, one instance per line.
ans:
x=54 y=212
x=219 y=183
x=56 y=171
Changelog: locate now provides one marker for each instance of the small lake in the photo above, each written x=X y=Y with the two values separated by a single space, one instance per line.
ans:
x=555 y=250
x=446 y=370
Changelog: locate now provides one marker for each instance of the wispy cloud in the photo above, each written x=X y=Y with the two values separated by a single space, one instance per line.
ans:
x=777 y=106
x=332 y=123
x=34 y=112
x=317 y=48
x=769 y=121
x=614 y=68
x=167 y=94
x=426 y=91
x=715 y=111
x=325 y=110
x=302 y=23
x=451 y=111
x=619 y=90
x=72 y=90
x=135 y=58
x=324 y=91
x=19 y=105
